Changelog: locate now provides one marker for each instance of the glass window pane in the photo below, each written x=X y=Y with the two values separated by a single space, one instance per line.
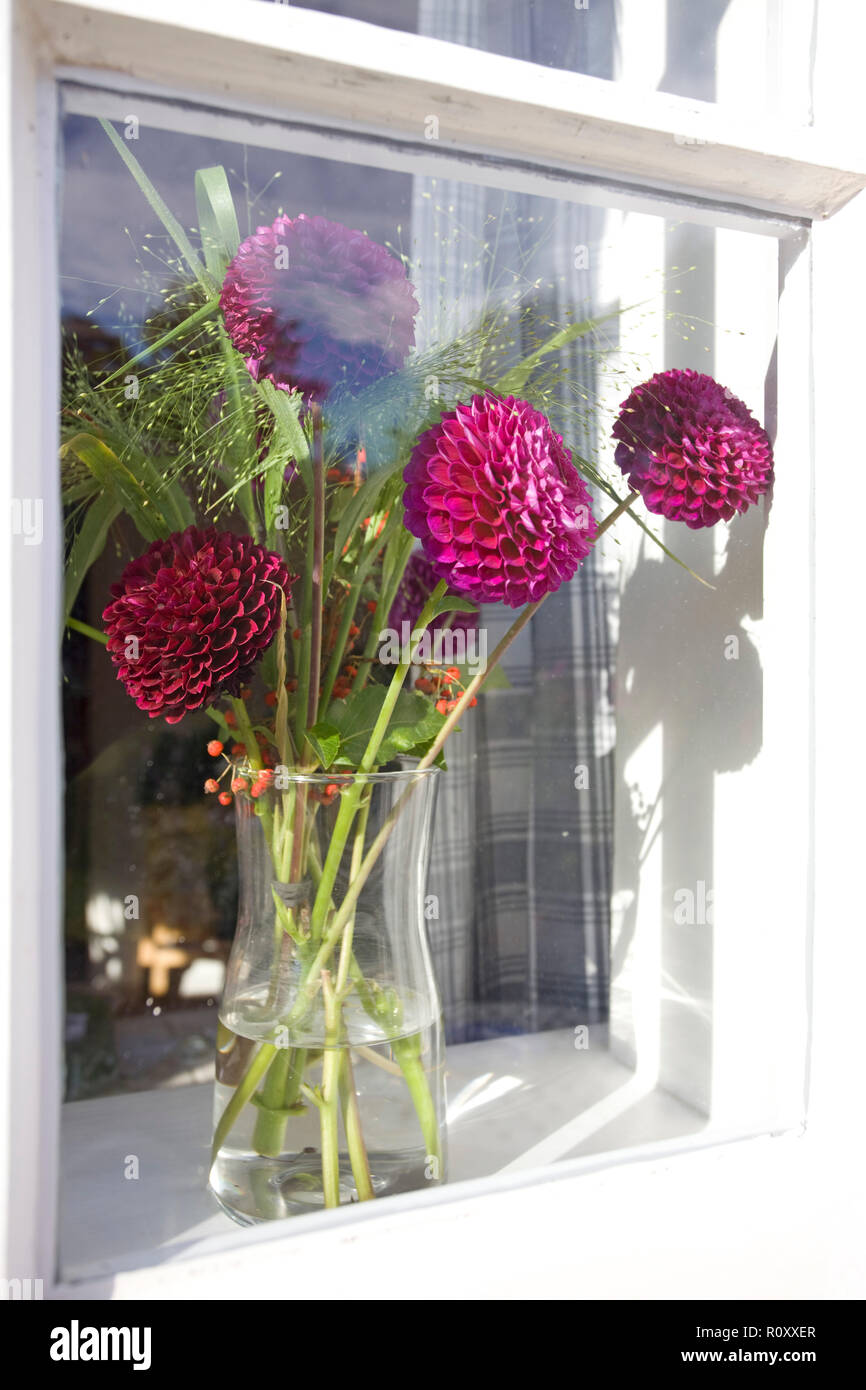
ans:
x=752 y=56
x=585 y=823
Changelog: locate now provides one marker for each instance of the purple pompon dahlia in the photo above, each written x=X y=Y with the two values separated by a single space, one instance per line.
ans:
x=493 y=496
x=418 y=582
x=692 y=450
x=310 y=303
x=191 y=616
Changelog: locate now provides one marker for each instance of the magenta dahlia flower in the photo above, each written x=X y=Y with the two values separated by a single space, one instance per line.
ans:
x=191 y=616
x=418 y=582
x=310 y=303
x=692 y=450
x=499 y=508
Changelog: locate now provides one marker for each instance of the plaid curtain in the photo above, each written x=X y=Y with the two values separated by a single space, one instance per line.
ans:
x=522 y=853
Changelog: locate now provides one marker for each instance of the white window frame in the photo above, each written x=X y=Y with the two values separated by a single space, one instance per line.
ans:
x=777 y=1204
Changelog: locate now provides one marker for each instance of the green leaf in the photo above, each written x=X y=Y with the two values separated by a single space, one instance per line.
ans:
x=219 y=719
x=217 y=219
x=421 y=749
x=88 y=545
x=325 y=742
x=415 y=722
x=117 y=479
x=174 y=502
x=496 y=679
x=451 y=603
x=363 y=503
x=240 y=445
x=163 y=212
x=285 y=409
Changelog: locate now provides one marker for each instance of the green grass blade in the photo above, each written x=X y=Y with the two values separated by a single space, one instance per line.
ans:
x=88 y=546
x=142 y=508
x=163 y=212
x=516 y=377
x=217 y=219
x=285 y=409
x=87 y=631
x=201 y=315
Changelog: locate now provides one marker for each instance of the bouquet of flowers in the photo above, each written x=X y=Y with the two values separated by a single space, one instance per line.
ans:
x=318 y=529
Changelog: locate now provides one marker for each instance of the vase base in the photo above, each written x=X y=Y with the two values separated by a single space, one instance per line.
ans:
x=252 y=1189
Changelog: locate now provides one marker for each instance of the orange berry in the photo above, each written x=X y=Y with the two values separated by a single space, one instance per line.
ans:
x=230 y=720
x=291 y=685
x=238 y=750
x=453 y=673
x=296 y=634
x=371 y=605
x=331 y=789
x=352 y=671
x=441 y=706
x=211 y=786
x=473 y=701
x=239 y=784
x=246 y=693
x=214 y=748
x=333 y=474
x=354 y=630
x=271 y=699
x=225 y=798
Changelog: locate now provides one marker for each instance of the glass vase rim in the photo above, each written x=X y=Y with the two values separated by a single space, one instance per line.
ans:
x=341 y=776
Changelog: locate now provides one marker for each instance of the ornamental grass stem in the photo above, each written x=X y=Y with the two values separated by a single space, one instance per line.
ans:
x=354 y=1133
x=318 y=565
x=328 y=1110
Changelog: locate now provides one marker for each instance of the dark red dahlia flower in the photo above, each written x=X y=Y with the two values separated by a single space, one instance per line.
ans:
x=497 y=503
x=311 y=303
x=190 y=618
x=692 y=450
x=418 y=582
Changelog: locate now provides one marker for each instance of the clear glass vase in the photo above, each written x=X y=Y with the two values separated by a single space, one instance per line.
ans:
x=330 y=1057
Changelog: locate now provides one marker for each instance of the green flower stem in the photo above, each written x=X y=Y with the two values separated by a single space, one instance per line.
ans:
x=279 y=1093
x=408 y=1054
x=207 y=311
x=397 y=681
x=270 y=1127
x=346 y=943
x=329 y=1109
x=245 y=729
x=402 y=550
x=87 y=630
x=243 y=1093
x=302 y=698
x=318 y=565
x=354 y=1134
x=337 y=655
x=350 y=799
